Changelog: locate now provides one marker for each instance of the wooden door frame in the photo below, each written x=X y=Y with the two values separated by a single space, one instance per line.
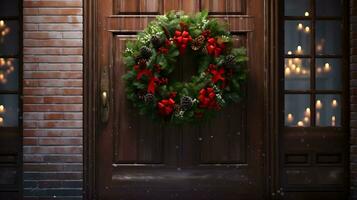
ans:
x=90 y=104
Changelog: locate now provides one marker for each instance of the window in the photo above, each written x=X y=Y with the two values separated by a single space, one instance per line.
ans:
x=314 y=63
x=10 y=104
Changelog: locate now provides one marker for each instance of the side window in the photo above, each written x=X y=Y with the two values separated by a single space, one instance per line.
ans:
x=315 y=63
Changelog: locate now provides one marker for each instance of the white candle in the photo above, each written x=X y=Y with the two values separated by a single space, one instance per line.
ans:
x=2 y=23
x=290 y=52
x=299 y=50
x=307 y=112
x=307 y=14
x=317 y=118
x=306 y=120
x=300 y=123
x=2 y=108
x=318 y=104
x=307 y=29
x=334 y=103
x=290 y=118
x=327 y=67
x=300 y=26
x=287 y=71
x=333 y=121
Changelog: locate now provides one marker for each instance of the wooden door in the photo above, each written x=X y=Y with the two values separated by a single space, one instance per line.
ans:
x=137 y=158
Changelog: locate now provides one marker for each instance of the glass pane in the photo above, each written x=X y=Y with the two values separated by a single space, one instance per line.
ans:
x=8 y=110
x=328 y=110
x=297 y=110
x=9 y=8
x=328 y=37
x=297 y=7
x=297 y=37
x=9 y=74
x=297 y=74
x=9 y=37
x=328 y=7
x=328 y=74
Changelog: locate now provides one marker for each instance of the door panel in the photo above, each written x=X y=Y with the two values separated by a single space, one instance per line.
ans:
x=141 y=159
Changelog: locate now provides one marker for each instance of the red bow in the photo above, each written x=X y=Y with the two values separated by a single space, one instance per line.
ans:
x=207 y=98
x=166 y=106
x=181 y=39
x=213 y=48
x=152 y=79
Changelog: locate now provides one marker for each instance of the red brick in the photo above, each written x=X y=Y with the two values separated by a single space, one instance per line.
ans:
x=53 y=66
x=52 y=150
x=53 y=74
x=53 y=19
x=53 y=133
x=52 y=91
x=53 y=43
x=52 y=108
x=53 y=83
x=60 y=11
x=60 y=141
x=62 y=3
x=52 y=59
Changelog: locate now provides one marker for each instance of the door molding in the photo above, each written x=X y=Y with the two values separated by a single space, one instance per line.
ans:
x=90 y=104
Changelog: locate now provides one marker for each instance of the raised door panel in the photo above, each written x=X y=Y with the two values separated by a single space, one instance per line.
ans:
x=224 y=6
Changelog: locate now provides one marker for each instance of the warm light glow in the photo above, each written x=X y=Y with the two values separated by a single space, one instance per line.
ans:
x=307 y=29
x=318 y=104
x=333 y=121
x=2 y=76
x=317 y=118
x=293 y=67
x=290 y=61
x=2 y=23
x=306 y=120
x=300 y=123
x=287 y=71
x=299 y=50
x=290 y=118
x=1 y=120
x=2 y=61
x=2 y=108
x=319 y=70
x=307 y=112
x=307 y=14
x=300 y=26
x=327 y=67
x=297 y=61
x=298 y=70
x=334 y=103
x=290 y=52
x=304 y=71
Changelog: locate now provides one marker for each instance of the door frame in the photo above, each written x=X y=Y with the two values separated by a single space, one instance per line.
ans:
x=91 y=102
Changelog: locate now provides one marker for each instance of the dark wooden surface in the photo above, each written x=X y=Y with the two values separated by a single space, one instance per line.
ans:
x=140 y=159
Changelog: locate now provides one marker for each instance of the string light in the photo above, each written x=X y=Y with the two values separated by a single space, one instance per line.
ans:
x=307 y=29
x=318 y=104
x=2 y=108
x=300 y=26
x=307 y=14
x=290 y=118
x=334 y=103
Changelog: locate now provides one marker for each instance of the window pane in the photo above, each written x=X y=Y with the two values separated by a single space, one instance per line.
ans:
x=9 y=74
x=297 y=74
x=297 y=110
x=328 y=7
x=328 y=74
x=297 y=37
x=297 y=7
x=8 y=110
x=9 y=37
x=328 y=110
x=9 y=8
x=328 y=37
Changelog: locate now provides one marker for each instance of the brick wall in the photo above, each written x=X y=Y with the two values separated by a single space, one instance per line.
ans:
x=53 y=40
x=353 y=96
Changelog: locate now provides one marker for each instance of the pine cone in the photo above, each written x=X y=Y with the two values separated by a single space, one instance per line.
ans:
x=229 y=60
x=186 y=103
x=156 y=41
x=148 y=98
x=198 y=42
x=145 y=52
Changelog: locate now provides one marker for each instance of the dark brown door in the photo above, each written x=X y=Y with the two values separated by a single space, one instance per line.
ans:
x=141 y=159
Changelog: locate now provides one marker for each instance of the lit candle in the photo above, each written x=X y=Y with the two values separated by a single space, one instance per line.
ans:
x=300 y=123
x=307 y=112
x=290 y=118
x=300 y=26
x=334 y=103
x=319 y=47
x=290 y=52
x=327 y=67
x=319 y=70
x=333 y=121
x=2 y=61
x=317 y=118
x=9 y=62
x=307 y=29
x=1 y=120
x=2 y=108
x=290 y=61
x=307 y=14
x=287 y=71
x=298 y=70
x=293 y=67
x=298 y=50
x=304 y=71
x=297 y=61
x=318 y=104
x=306 y=120
x=2 y=23
x=2 y=76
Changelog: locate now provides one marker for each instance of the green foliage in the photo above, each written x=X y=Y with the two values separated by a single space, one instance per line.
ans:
x=164 y=27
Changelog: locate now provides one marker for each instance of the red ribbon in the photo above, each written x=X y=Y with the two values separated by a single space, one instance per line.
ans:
x=166 y=106
x=152 y=79
x=213 y=48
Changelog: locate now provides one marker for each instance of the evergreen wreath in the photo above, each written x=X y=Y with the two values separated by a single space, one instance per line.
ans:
x=153 y=56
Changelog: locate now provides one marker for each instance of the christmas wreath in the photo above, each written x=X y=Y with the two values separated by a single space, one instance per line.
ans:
x=172 y=37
